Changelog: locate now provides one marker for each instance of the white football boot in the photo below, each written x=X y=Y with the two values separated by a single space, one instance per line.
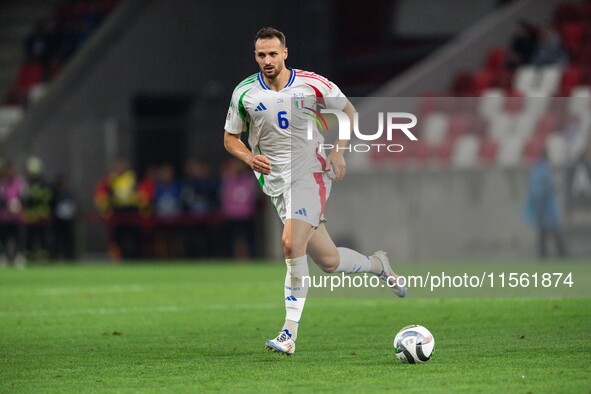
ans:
x=283 y=344
x=388 y=276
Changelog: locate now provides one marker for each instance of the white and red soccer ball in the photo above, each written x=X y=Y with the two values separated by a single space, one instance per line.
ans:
x=414 y=344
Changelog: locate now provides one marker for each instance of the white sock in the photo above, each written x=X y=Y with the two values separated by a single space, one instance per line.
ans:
x=291 y=327
x=295 y=292
x=352 y=262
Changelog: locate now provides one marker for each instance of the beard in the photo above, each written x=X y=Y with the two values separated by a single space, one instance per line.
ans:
x=273 y=72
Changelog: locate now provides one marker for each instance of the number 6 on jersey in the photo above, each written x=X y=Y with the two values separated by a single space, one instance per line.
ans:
x=283 y=122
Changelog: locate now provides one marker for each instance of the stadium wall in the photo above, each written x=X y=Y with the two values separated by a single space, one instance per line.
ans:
x=430 y=215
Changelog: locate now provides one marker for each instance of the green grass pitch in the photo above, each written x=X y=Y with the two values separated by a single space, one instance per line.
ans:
x=202 y=327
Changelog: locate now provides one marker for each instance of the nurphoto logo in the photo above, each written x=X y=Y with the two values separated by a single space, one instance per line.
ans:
x=391 y=119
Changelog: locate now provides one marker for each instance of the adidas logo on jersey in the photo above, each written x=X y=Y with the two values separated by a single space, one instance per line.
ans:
x=302 y=212
x=260 y=107
x=291 y=298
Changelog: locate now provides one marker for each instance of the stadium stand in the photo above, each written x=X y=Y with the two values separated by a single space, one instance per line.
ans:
x=57 y=30
x=50 y=32
x=519 y=112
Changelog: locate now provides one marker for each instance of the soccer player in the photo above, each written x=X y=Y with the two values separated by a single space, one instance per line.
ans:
x=293 y=172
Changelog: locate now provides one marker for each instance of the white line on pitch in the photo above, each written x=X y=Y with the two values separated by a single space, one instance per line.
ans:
x=168 y=309
x=124 y=310
x=56 y=291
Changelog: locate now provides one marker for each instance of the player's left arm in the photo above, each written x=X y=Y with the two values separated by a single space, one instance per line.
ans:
x=336 y=158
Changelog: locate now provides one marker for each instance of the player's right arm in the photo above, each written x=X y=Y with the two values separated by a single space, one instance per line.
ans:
x=236 y=123
x=236 y=148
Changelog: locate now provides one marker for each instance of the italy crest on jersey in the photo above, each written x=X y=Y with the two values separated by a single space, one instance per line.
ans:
x=299 y=101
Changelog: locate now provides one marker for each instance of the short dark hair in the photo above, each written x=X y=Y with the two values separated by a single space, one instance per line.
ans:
x=269 y=32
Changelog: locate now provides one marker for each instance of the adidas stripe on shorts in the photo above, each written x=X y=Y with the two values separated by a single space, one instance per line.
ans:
x=305 y=199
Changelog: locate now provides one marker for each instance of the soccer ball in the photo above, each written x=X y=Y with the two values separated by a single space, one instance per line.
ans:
x=414 y=344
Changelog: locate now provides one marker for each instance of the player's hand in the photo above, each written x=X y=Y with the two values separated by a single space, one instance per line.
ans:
x=337 y=161
x=260 y=164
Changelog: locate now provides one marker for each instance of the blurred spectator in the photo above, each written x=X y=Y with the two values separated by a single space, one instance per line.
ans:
x=11 y=193
x=116 y=198
x=541 y=209
x=43 y=41
x=147 y=191
x=550 y=50
x=167 y=198
x=102 y=197
x=37 y=43
x=64 y=212
x=167 y=213
x=146 y=195
x=37 y=210
x=102 y=201
x=122 y=184
x=523 y=45
x=200 y=201
x=238 y=207
x=200 y=188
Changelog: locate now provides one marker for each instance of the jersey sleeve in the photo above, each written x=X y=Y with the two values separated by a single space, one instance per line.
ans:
x=335 y=98
x=236 y=119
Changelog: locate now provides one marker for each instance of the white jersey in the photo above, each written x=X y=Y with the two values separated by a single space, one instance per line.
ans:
x=277 y=124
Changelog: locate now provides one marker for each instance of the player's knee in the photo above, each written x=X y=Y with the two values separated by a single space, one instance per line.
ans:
x=293 y=248
x=286 y=243
x=329 y=264
x=289 y=247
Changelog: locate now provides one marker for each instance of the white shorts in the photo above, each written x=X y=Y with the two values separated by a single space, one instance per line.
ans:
x=305 y=199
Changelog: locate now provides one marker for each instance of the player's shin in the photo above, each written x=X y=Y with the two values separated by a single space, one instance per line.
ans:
x=352 y=261
x=296 y=290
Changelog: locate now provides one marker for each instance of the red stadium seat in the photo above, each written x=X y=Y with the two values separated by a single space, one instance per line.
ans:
x=463 y=85
x=436 y=141
x=547 y=123
x=502 y=79
x=445 y=150
x=483 y=79
x=458 y=124
x=478 y=125
x=536 y=143
x=533 y=149
x=513 y=102
x=29 y=74
x=583 y=57
x=572 y=34
x=570 y=78
x=585 y=77
x=429 y=102
x=488 y=150
x=496 y=58
x=566 y=13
